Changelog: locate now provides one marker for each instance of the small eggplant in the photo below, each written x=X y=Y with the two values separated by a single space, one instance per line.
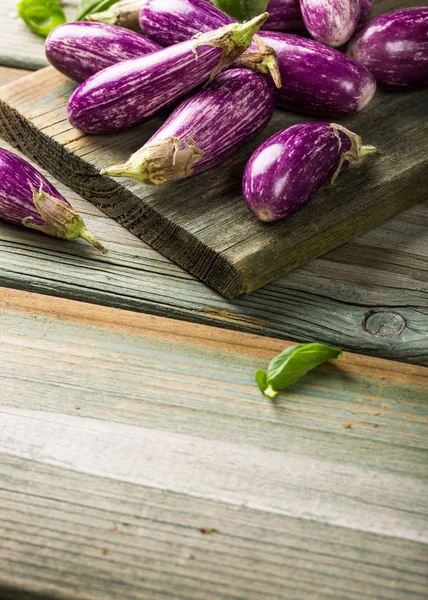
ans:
x=284 y=15
x=123 y=13
x=331 y=22
x=134 y=90
x=171 y=23
x=27 y=198
x=317 y=80
x=78 y=50
x=291 y=166
x=394 y=47
x=366 y=7
x=204 y=129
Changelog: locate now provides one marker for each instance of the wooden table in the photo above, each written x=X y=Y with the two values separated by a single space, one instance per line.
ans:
x=138 y=458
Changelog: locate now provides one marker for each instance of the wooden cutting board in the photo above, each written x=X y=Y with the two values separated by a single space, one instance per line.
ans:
x=201 y=223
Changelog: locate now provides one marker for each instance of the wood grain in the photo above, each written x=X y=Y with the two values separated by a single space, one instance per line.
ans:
x=382 y=273
x=202 y=223
x=125 y=438
x=19 y=46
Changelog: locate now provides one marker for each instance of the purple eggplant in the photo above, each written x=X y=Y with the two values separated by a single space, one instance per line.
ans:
x=204 y=129
x=170 y=23
x=284 y=15
x=78 y=50
x=331 y=22
x=27 y=198
x=316 y=79
x=133 y=91
x=291 y=166
x=394 y=47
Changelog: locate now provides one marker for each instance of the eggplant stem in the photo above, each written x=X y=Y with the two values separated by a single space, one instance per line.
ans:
x=86 y=235
x=355 y=155
x=264 y=61
x=233 y=40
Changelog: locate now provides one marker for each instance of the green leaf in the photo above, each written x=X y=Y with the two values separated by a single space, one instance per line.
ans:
x=241 y=10
x=293 y=363
x=261 y=380
x=87 y=7
x=41 y=16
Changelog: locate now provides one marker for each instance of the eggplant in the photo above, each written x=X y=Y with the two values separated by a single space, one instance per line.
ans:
x=394 y=47
x=331 y=22
x=284 y=15
x=204 y=129
x=123 y=13
x=170 y=23
x=317 y=80
x=27 y=198
x=291 y=166
x=79 y=50
x=134 y=90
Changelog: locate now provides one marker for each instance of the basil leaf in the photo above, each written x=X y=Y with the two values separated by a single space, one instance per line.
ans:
x=87 y=7
x=41 y=16
x=241 y=10
x=293 y=363
x=261 y=380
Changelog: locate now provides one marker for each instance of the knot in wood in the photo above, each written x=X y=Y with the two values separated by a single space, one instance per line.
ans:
x=384 y=323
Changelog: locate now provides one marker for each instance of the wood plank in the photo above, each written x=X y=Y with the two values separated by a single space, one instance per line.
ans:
x=19 y=46
x=202 y=223
x=7 y=75
x=334 y=299
x=122 y=436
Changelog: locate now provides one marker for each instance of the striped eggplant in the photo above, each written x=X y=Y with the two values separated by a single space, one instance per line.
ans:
x=331 y=22
x=134 y=90
x=291 y=166
x=284 y=15
x=169 y=23
x=366 y=7
x=204 y=129
x=27 y=198
x=78 y=50
x=394 y=46
x=318 y=80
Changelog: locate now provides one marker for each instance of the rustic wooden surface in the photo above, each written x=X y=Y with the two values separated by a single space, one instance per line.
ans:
x=368 y=296
x=144 y=463
x=201 y=222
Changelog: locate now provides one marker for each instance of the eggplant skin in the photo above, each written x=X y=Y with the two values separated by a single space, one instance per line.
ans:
x=79 y=50
x=331 y=22
x=394 y=47
x=293 y=164
x=169 y=23
x=318 y=80
x=16 y=198
x=284 y=15
x=234 y=108
x=204 y=129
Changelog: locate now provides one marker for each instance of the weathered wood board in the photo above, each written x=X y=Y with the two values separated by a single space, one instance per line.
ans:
x=125 y=439
x=201 y=223
x=368 y=296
